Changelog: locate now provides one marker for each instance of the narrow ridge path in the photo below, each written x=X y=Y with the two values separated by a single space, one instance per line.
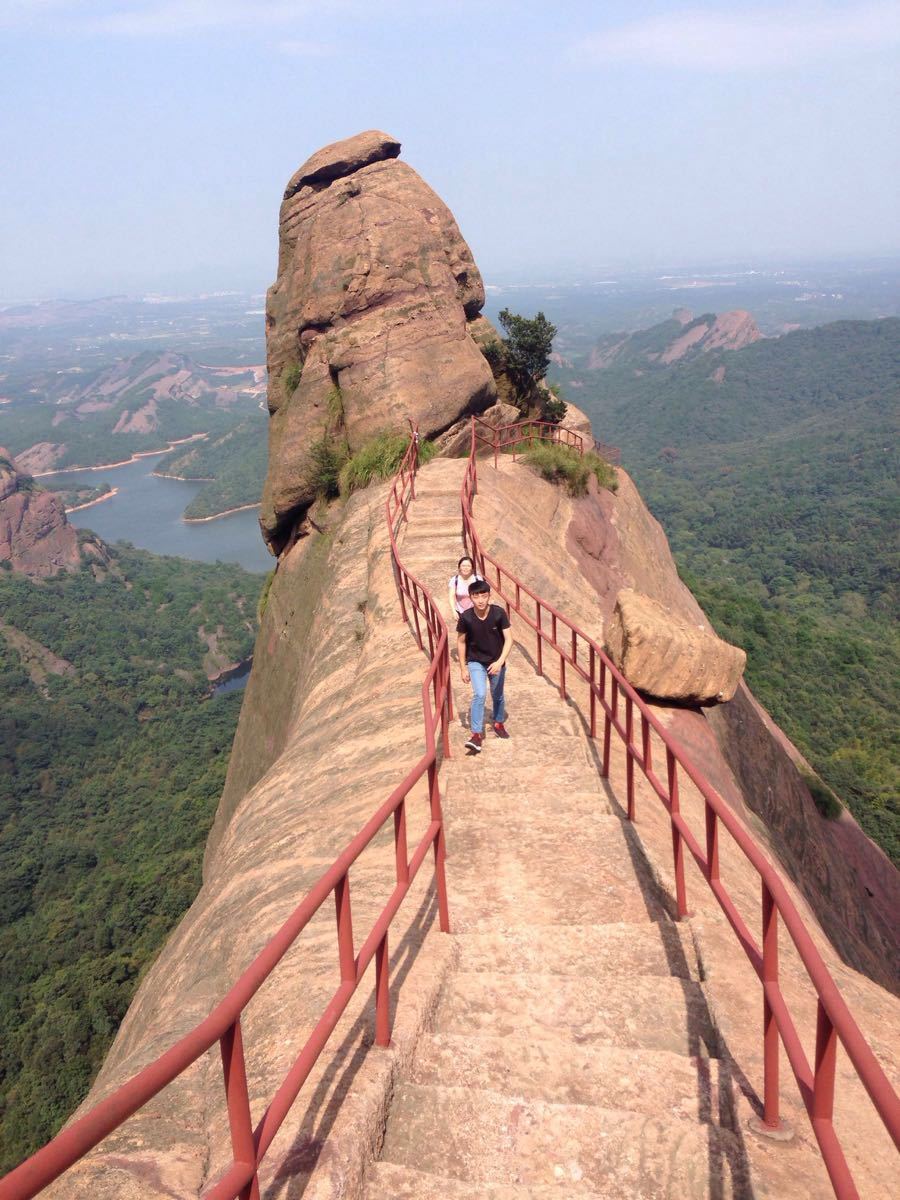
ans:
x=571 y=1051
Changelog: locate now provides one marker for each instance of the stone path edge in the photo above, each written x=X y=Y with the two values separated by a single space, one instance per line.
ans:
x=354 y=1142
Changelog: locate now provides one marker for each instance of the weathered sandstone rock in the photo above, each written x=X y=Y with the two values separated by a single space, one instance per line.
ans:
x=456 y=441
x=669 y=658
x=578 y=422
x=35 y=537
x=368 y=322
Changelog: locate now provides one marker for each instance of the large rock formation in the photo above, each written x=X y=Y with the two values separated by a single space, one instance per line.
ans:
x=35 y=537
x=682 y=336
x=368 y=322
x=669 y=658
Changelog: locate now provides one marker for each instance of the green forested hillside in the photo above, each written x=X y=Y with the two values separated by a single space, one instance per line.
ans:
x=778 y=489
x=234 y=466
x=109 y=777
x=105 y=413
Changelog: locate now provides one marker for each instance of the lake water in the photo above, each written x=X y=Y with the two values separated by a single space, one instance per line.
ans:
x=148 y=513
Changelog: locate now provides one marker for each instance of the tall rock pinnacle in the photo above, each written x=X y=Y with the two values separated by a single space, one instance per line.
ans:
x=368 y=322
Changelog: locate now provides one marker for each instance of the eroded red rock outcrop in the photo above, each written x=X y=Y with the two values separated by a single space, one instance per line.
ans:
x=683 y=336
x=35 y=537
x=368 y=321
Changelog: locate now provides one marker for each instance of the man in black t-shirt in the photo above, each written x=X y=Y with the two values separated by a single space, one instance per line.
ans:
x=484 y=641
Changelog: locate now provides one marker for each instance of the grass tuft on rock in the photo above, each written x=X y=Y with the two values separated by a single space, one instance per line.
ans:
x=379 y=459
x=562 y=464
x=326 y=462
x=291 y=378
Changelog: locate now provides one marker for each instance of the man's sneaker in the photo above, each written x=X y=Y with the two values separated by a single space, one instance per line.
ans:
x=500 y=730
x=474 y=742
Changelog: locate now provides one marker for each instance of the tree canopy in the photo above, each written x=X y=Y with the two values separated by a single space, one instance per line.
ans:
x=528 y=344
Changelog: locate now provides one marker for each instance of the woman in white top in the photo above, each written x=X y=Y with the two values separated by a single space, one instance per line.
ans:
x=458 y=587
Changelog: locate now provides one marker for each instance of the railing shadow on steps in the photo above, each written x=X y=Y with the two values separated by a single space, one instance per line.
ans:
x=609 y=691
x=223 y=1025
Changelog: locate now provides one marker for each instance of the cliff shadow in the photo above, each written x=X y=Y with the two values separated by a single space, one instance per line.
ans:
x=729 y=1162
x=293 y=1174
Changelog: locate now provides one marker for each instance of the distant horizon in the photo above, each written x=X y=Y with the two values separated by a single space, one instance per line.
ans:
x=764 y=265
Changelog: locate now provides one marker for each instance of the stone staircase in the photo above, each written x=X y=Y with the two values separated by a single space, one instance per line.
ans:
x=571 y=1051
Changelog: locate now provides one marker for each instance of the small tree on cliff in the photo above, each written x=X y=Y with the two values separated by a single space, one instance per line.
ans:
x=528 y=344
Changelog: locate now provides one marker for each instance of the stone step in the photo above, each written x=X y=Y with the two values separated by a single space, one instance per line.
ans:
x=573 y=806
x=439 y=514
x=485 y=1138
x=387 y=1181
x=653 y=948
x=652 y=1082
x=427 y=493
x=512 y=766
x=643 y=1011
x=509 y=869
x=441 y=529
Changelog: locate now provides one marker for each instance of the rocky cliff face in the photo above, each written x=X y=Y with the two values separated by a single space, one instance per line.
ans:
x=35 y=537
x=368 y=322
x=682 y=336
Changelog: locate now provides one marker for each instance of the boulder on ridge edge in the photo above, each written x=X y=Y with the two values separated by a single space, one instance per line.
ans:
x=668 y=658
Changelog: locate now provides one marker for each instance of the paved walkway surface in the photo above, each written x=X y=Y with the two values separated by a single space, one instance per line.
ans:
x=572 y=1051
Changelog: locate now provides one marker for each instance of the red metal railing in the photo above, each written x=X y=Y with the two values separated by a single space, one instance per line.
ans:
x=509 y=437
x=223 y=1025
x=580 y=654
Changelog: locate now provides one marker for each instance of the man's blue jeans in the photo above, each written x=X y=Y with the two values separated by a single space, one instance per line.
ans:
x=480 y=679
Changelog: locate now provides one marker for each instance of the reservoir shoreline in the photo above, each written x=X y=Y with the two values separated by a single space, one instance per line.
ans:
x=148 y=511
x=126 y=462
x=215 y=516
x=90 y=504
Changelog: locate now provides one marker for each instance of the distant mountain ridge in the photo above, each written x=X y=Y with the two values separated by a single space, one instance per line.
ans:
x=136 y=404
x=682 y=337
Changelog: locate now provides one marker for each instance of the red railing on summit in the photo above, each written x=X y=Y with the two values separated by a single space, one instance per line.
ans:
x=249 y=1142
x=609 y=692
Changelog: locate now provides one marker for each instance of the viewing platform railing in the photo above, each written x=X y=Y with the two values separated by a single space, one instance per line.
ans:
x=609 y=691
x=249 y=1143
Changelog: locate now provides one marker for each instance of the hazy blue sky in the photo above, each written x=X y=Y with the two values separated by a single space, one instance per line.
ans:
x=146 y=144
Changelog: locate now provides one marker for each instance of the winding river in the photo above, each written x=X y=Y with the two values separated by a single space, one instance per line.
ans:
x=147 y=511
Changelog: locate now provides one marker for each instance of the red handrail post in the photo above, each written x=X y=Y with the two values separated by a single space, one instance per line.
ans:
x=629 y=756
x=593 y=692
x=440 y=849
x=397 y=580
x=712 y=844
x=446 y=717
x=646 y=745
x=238 y=1102
x=826 y=1061
x=677 y=841
x=401 y=853
x=770 y=1025
x=344 y=928
x=382 y=994
x=540 y=641
x=611 y=714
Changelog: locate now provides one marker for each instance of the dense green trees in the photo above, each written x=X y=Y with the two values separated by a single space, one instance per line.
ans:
x=777 y=487
x=109 y=777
